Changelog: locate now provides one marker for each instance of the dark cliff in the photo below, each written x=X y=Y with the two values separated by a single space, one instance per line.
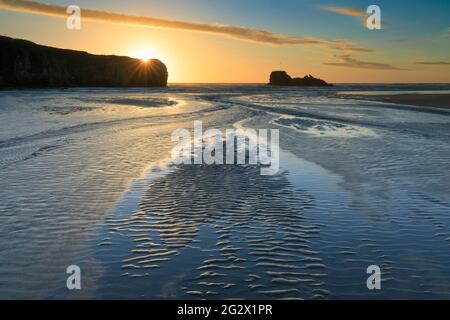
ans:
x=26 y=64
x=281 y=78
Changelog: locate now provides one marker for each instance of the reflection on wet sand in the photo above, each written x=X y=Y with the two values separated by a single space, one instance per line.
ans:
x=259 y=241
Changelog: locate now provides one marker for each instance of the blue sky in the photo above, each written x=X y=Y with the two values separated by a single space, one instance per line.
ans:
x=412 y=30
x=403 y=18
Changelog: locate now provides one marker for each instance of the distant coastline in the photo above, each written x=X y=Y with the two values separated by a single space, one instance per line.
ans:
x=24 y=64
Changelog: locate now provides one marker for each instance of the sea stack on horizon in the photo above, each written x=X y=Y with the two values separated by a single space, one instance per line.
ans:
x=26 y=64
x=281 y=78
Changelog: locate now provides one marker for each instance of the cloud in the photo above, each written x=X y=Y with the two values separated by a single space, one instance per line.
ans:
x=346 y=11
x=236 y=32
x=350 y=62
x=352 y=12
x=437 y=63
x=445 y=33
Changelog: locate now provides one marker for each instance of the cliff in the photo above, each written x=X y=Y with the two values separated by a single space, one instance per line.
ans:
x=281 y=78
x=26 y=64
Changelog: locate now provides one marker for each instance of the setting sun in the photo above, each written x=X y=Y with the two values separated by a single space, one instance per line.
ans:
x=145 y=56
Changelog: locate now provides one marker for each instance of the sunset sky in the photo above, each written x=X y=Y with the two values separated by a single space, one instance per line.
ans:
x=326 y=39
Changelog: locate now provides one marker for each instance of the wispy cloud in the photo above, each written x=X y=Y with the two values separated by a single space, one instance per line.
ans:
x=348 y=61
x=346 y=11
x=361 y=15
x=236 y=32
x=437 y=63
x=445 y=33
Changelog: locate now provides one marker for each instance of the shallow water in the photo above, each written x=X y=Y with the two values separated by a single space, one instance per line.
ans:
x=86 y=180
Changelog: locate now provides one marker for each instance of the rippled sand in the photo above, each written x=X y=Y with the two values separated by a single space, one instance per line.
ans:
x=234 y=225
x=86 y=180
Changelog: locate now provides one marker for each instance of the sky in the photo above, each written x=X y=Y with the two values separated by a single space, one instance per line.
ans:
x=242 y=41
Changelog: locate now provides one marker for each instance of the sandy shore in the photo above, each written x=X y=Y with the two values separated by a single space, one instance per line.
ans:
x=426 y=100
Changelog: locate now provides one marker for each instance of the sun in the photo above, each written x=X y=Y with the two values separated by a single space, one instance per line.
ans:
x=144 y=53
x=145 y=56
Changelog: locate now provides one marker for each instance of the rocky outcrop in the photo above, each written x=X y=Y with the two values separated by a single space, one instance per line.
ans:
x=281 y=78
x=26 y=64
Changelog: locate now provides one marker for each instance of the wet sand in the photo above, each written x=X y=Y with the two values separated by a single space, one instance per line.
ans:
x=359 y=184
x=416 y=99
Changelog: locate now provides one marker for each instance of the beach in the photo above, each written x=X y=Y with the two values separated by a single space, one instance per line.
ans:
x=87 y=180
x=437 y=100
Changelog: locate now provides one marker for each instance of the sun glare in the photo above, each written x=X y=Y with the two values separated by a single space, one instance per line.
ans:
x=143 y=55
